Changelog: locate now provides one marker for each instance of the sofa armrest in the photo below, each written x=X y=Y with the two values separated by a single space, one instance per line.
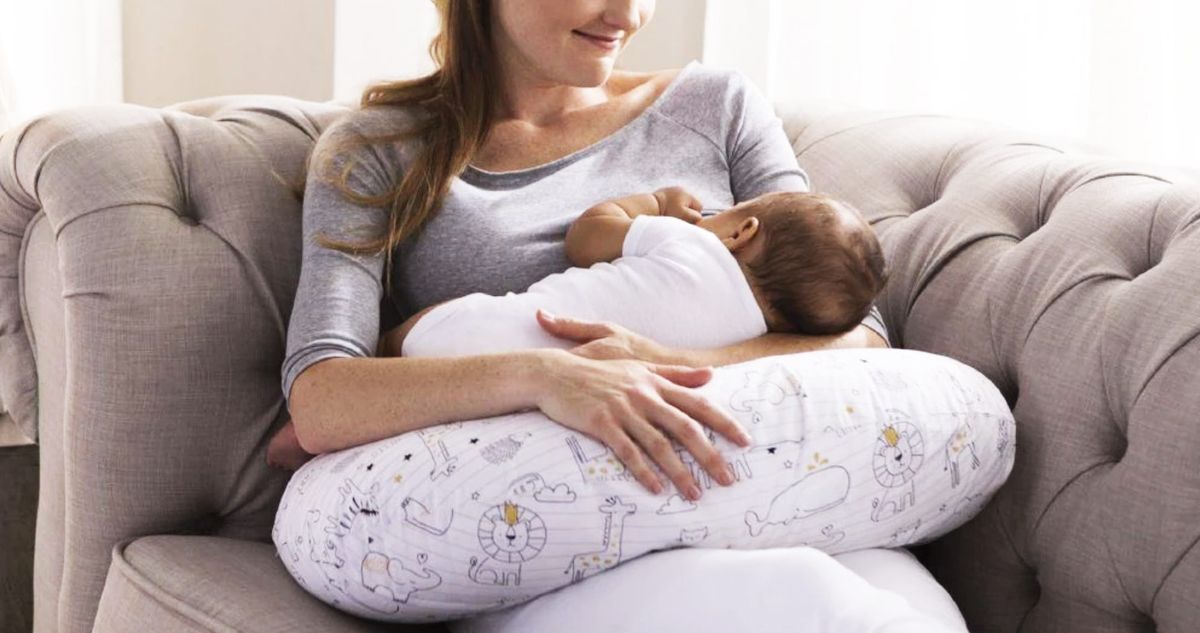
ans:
x=160 y=251
x=10 y=435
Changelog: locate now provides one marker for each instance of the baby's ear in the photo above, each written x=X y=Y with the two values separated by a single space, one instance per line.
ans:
x=743 y=234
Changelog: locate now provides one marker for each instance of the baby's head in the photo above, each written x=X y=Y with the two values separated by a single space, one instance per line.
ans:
x=813 y=262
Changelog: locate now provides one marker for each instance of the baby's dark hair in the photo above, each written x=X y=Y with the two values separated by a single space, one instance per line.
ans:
x=820 y=274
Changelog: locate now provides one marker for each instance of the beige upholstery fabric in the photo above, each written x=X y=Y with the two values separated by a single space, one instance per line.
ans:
x=1070 y=281
x=202 y=583
x=10 y=434
x=159 y=276
x=142 y=330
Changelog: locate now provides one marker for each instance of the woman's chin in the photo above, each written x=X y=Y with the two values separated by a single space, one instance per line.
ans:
x=590 y=72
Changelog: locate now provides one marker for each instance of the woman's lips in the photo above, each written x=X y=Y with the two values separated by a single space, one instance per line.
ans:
x=604 y=43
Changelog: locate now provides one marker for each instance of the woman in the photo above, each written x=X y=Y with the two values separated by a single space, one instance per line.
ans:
x=472 y=175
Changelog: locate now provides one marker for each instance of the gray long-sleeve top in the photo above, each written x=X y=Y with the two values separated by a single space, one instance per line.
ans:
x=711 y=131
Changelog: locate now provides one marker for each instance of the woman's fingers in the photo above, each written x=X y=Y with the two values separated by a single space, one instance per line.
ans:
x=691 y=435
x=633 y=458
x=705 y=412
x=682 y=374
x=571 y=328
x=660 y=449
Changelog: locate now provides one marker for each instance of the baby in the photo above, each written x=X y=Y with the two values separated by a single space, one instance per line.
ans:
x=795 y=262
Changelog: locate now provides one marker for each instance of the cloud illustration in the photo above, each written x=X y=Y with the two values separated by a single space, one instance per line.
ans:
x=555 y=494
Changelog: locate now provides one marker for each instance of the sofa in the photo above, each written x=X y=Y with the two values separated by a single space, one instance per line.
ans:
x=149 y=262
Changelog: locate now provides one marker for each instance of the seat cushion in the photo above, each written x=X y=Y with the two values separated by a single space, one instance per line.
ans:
x=207 y=583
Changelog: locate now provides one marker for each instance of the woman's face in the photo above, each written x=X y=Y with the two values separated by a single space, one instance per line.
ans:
x=572 y=42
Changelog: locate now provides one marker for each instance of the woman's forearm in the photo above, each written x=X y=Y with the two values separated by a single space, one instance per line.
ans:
x=343 y=402
x=771 y=344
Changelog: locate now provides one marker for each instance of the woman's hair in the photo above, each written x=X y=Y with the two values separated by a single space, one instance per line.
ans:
x=821 y=276
x=455 y=107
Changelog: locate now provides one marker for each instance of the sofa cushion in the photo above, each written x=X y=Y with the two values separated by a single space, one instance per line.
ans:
x=207 y=583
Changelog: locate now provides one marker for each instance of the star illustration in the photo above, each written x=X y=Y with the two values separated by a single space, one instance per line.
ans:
x=771 y=450
x=475 y=495
x=474 y=440
x=787 y=464
x=407 y=457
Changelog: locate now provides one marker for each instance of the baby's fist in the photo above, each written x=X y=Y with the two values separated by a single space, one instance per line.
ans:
x=678 y=203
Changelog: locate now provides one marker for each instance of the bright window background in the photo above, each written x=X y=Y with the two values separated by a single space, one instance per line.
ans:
x=1120 y=75
x=58 y=54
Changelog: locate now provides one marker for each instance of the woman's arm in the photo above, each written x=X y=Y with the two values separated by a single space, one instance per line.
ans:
x=604 y=340
x=631 y=406
x=342 y=402
x=770 y=344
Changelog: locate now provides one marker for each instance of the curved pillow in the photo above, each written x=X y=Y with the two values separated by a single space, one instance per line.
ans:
x=854 y=448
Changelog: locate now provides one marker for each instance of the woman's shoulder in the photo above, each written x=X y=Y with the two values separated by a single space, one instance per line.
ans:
x=372 y=123
x=374 y=136
x=710 y=100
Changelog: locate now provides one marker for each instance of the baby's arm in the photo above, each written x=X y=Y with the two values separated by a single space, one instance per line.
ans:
x=598 y=234
x=392 y=341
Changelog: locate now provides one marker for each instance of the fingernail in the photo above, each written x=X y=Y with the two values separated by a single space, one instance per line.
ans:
x=548 y=315
x=694 y=492
x=727 y=476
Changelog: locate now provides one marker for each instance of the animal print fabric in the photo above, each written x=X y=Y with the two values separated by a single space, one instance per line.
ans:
x=853 y=448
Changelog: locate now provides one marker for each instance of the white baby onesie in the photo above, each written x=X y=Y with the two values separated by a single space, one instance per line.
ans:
x=702 y=299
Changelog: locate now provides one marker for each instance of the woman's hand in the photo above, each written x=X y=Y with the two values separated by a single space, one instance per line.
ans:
x=602 y=340
x=635 y=408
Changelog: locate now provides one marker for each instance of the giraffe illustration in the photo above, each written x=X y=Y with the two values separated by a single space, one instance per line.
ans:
x=957 y=447
x=590 y=563
x=597 y=466
x=432 y=437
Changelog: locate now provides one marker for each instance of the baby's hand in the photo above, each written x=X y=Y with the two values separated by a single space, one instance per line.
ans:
x=677 y=202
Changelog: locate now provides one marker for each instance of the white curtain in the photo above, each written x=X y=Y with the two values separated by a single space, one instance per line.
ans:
x=1119 y=75
x=57 y=54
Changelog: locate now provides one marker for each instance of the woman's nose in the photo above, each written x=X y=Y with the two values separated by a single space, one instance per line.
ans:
x=624 y=15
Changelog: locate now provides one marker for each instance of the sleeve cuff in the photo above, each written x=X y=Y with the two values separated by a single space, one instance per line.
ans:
x=874 y=321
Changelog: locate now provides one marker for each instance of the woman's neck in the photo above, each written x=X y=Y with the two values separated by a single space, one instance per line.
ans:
x=529 y=96
x=541 y=103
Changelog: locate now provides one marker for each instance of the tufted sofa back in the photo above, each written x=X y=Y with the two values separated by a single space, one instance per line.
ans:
x=1073 y=282
x=148 y=260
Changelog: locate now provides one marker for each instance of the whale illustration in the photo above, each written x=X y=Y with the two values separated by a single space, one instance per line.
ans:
x=818 y=491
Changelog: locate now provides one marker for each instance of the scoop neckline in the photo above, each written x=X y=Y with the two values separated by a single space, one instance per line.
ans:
x=476 y=175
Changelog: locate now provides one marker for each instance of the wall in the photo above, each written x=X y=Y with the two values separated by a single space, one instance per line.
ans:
x=674 y=36
x=380 y=39
x=177 y=50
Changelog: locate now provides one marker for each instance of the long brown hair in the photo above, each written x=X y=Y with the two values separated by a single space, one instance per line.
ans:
x=456 y=103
